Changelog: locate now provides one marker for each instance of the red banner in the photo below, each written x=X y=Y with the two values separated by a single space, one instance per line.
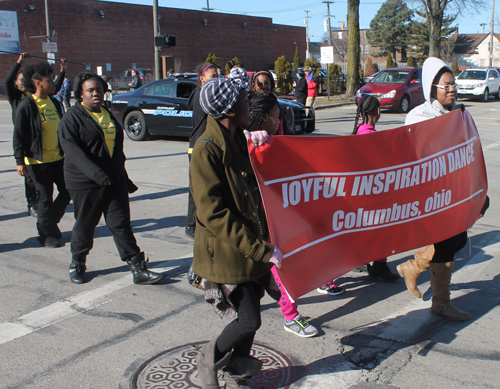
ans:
x=336 y=203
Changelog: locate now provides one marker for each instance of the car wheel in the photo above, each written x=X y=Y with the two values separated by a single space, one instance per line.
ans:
x=486 y=95
x=404 y=105
x=497 y=96
x=135 y=126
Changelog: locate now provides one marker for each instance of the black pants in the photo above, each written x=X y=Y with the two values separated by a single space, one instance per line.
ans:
x=239 y=334
x=30 y=191
x=191 y=205
x=446 y=250
x=50 y=211
x=90 y=205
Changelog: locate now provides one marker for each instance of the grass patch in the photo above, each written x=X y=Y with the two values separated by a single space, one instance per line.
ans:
x=334 y=99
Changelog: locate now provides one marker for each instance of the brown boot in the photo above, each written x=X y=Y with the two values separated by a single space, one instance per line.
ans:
x=411 y=269
x=239 y=369
x=440 y=283
x=207 y=366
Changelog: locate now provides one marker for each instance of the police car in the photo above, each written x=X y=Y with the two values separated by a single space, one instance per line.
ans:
x=160 y=108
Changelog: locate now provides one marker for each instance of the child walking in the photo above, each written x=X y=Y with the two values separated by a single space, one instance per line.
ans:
x=369 y=112
x=266 y=117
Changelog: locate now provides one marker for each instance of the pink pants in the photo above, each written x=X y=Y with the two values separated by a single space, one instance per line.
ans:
x=288 y=308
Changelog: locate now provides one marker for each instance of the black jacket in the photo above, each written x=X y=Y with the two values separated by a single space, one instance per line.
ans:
x=136 y=82
x=199 y=118
x=14 y=95
x=301 y=90
x=88 y=163
x=27 y=141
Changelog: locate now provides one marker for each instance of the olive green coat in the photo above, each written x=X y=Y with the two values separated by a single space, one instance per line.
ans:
x=230 y=243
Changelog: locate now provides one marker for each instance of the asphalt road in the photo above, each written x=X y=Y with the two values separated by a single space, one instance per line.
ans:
x=54 y=334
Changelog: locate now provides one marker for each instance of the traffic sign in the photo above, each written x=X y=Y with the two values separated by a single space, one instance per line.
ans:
x=327 y=54
x=49 y=47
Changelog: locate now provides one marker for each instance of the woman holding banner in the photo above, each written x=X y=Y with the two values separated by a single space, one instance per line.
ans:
x=231 y=251
x=440 y=92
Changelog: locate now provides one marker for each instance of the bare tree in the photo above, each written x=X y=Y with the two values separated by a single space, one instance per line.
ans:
x=353 y=46
x=434 y=13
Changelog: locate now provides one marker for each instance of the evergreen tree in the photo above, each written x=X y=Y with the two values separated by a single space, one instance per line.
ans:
x=212 y=58
x=421 y=61
x=420 y=33
x=390 y=62
x=231 y=64
x=434 y=11
x=454 y=66
x=313 y=64
x=296 y=58
x=283 y=75
x=410 y=62
x=389 y=29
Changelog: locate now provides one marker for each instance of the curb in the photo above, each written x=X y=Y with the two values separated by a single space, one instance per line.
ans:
x=332 y=106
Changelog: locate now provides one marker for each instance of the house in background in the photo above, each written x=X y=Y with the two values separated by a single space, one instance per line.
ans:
x=473 y=50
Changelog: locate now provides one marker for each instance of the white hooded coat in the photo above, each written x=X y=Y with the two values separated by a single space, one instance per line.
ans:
x=431 y=108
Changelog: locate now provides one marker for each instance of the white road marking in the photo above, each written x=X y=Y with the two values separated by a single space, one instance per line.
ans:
x=73 y=305
x=491 y=146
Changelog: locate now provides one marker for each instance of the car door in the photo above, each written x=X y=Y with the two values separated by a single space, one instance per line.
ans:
x=182 y=120
x=415 y=88
x=493 y=81
x=157 y=106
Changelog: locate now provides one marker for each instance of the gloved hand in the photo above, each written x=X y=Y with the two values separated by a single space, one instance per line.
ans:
x=277 y=255
x=257 y=137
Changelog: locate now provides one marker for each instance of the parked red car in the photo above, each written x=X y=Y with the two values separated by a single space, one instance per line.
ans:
x=396 y=88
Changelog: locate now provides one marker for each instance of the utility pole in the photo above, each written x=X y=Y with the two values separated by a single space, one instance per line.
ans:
x=208 y=9
x=47 y=19
x=328 y=22
x=307 y=34
x=156 y=32
x=491 y=38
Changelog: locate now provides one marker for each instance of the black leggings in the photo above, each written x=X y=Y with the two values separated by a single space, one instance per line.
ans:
x=446 y=250
x=239 y=334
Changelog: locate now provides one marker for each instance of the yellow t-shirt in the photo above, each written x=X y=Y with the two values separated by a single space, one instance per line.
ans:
x=51 y=152
x=104 y=120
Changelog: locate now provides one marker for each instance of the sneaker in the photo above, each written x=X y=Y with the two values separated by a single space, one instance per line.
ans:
x=331 y=289
x=300 y=327
x=51 y=242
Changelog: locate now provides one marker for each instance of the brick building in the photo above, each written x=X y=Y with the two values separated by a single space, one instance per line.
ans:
x=118 y=34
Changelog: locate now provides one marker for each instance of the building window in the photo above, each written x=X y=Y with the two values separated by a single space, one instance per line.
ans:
x=340 y=35
x=367 y=50
x=360 y=49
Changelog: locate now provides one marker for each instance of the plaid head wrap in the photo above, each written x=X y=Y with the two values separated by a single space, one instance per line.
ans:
x=218 y=95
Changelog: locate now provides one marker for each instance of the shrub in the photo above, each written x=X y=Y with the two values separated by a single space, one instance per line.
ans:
x=284 y=75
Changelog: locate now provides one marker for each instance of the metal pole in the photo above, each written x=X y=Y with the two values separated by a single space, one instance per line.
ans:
x=307 y=34
x=492 y=25
x=47 y=19
x=158 y=75
x=329 y=23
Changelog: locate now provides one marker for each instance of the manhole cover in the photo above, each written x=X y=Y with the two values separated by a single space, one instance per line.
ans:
x=176 y=368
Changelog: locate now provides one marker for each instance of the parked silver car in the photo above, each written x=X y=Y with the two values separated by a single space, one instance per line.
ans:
x=479 y=83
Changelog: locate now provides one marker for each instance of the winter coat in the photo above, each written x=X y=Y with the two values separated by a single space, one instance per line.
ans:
x=301 y=90
x=27 y=140
x=88 y=162
x=431 y=108
x=230 y=244
x=136 y=82
x=312 y=86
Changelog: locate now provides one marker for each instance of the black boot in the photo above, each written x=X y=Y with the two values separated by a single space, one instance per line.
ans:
x=142 y=275
x=77 y=270
x=380 y=269
x=208 y=366
x=239 y=369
